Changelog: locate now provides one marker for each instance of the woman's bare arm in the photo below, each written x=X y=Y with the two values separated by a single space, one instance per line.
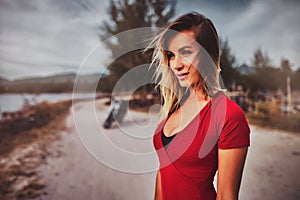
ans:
x=230 y=169
x=158 y=195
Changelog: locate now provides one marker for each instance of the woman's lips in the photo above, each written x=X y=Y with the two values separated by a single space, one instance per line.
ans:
x=182 y=76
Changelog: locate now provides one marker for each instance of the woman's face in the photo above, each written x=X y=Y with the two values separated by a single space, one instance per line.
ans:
x=183 y=55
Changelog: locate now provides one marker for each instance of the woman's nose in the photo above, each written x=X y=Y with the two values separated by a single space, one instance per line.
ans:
x=177 y=64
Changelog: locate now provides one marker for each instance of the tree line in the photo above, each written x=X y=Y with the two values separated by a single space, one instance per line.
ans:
x=262 y=75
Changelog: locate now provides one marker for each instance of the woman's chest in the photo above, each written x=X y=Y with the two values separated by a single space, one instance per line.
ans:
x=184 y=154
x=179 y=120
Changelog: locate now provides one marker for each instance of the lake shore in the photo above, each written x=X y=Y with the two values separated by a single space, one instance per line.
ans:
x=60 y=167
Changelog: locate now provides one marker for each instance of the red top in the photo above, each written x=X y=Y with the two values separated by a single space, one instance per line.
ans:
x=189 y=163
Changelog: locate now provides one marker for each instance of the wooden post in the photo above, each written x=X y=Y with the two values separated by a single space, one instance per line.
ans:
x=289 y=95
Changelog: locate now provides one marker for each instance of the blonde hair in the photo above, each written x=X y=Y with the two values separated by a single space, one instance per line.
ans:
x=206 y=36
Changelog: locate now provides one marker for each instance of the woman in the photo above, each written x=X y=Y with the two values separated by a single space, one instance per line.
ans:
x=202 y=131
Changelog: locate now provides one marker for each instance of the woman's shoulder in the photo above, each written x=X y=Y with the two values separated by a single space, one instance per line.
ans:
x=230 y=107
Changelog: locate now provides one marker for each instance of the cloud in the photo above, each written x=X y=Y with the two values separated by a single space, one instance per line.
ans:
x=36 y=33
x=52 y=36
x=271 y=26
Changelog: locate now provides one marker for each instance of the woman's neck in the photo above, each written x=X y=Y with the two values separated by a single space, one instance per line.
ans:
x=197 y=95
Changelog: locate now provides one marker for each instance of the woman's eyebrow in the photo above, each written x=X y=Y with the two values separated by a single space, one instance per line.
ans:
x=184 y=47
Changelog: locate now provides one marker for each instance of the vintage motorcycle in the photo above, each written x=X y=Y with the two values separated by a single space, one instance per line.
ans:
x=116 y=112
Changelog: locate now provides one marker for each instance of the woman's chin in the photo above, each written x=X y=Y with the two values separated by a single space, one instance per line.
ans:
x=184 y=84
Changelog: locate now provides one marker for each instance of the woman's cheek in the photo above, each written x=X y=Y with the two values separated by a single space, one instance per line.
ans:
x=192 y=61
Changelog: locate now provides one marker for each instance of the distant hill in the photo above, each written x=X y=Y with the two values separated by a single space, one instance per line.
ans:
x=59 y=78
x=3 y=80
x=53 y=83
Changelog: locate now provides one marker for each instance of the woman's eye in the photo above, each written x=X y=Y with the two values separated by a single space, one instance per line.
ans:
x=170 y=55
x=185 y=52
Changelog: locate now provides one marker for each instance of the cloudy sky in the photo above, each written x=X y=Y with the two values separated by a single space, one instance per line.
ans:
x=44 y=37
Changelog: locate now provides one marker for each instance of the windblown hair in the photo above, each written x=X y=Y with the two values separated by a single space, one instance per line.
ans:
x=207 y=38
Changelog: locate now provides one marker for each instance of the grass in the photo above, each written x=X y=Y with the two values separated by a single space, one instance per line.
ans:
x=31 y=125
x=283 y=122
x=267 y=114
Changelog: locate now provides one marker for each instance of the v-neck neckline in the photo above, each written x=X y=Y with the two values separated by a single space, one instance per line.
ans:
x=177 y=134
x=198 y=113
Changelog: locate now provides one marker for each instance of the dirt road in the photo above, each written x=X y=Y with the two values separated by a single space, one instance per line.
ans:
x=271 y=171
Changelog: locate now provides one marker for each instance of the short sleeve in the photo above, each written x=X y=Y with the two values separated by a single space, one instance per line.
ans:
x=235 y=132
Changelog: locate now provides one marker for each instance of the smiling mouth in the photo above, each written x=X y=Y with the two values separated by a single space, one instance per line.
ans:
x=182 y=76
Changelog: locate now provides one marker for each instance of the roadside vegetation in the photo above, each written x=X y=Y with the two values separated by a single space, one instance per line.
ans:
x=24 y=140
x=268 y=114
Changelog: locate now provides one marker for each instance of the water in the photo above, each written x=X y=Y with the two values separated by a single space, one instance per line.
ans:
x=14 y=102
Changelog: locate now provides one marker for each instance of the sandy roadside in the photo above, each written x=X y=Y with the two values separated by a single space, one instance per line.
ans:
x=272 y=166
x=77 y=175
x=271 y=171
